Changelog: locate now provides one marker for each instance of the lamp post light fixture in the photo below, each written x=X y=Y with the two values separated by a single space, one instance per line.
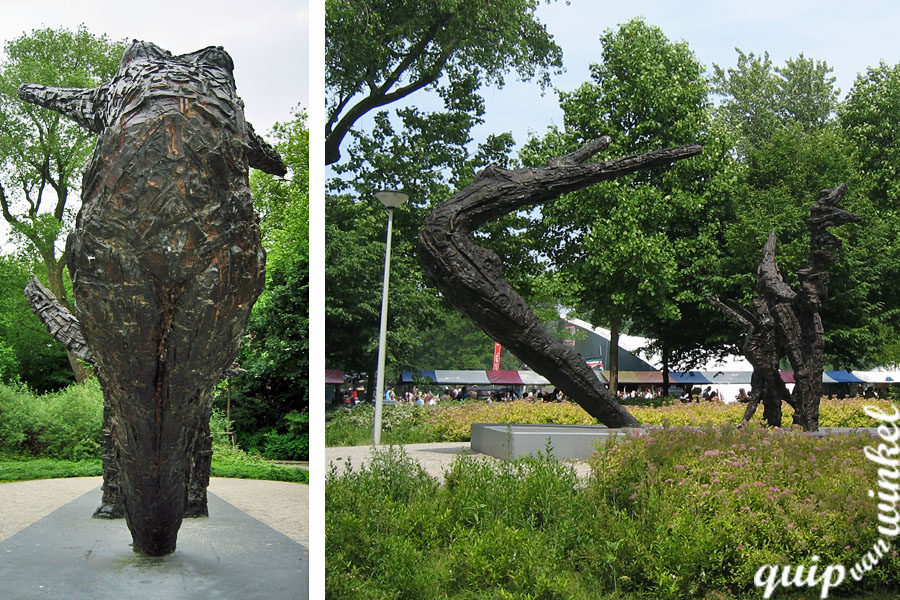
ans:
x=391 y=200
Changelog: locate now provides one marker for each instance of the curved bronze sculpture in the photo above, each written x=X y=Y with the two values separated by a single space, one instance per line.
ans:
x=471 y=279
x=165 y=260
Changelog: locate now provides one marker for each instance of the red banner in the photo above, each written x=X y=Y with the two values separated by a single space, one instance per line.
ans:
x=497 y=349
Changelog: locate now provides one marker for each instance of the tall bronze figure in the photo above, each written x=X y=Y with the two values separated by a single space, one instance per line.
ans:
x=165 y=260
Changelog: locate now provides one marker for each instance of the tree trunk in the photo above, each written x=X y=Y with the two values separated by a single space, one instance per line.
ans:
x=614 y=357
x=471 y=277
x=665 y=369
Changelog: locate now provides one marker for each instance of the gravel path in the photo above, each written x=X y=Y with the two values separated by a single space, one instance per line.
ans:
x=434 y=458
x=283 y=506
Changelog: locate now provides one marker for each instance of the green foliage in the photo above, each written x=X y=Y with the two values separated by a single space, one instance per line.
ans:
x=25 y=469
x=62 y=425
x=637 y=248
x=678 y=513
x=27 y=354
x=400 y=424
x=451 y=422
x=379 y=51
x=275 y=347
x=293 y=443
x=40 y=150
x=756 y=497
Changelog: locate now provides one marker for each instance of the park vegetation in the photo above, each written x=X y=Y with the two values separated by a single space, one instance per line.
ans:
x=689 y=510
x=682 y=512
x=452 y=421
x=58 y=435
x=42 y=156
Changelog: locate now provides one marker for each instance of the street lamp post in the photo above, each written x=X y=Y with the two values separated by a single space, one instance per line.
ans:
x=391 y=200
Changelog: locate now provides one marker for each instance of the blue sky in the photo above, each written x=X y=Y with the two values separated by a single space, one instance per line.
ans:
x=849 y=36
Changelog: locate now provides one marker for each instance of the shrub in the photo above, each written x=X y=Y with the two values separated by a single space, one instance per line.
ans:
x=673 y=513
x=704 y=508
x=74 y=418
x=64 y=424
x=293 y=442
x=410 y=424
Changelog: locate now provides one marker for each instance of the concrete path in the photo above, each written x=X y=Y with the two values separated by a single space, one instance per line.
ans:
x=283 y=506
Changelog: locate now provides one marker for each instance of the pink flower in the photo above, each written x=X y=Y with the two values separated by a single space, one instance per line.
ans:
x=712 y=453
x=790 y=525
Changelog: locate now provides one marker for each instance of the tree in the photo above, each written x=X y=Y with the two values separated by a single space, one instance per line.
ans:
x=870 y=118
x=42 y=153
x=426 y=155
x=622 y=246
x=27 y=354
x=789 y=145
x=380 y=51
x=275 y=348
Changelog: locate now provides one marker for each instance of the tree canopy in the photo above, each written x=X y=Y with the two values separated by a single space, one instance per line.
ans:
x=380 y=51
x=42 y=154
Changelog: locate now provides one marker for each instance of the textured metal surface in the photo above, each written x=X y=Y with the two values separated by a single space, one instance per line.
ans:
x=165 y=260
x=785 y=322
x=471 y=278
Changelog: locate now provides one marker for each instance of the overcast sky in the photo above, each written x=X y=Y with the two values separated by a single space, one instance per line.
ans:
x=267 y=39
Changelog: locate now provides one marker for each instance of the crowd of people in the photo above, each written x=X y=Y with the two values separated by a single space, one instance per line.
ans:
x=425 y=397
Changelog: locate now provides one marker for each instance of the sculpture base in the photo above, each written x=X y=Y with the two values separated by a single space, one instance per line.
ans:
x=563 y=441
x=578 y=442
x=227 y=556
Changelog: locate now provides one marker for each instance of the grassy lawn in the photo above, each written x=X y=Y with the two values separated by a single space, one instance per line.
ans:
x=235 y=465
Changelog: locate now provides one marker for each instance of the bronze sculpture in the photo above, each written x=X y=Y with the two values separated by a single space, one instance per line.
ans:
x=471 y=279
x=165 y=260
x=786 y=322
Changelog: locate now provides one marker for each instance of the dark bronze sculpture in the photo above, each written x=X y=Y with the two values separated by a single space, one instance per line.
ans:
x=471 y=279
x=165 y=260
x=786 y=322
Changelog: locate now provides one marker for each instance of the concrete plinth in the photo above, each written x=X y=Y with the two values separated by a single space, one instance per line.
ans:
x=577 y=442
x=564 y=441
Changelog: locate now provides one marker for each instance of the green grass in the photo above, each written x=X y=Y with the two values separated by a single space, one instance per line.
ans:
x=236 y=465
x=47 y=468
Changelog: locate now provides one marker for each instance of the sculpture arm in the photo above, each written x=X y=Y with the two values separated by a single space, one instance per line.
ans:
x=61 y=324
x=79 y=104
x=263 y=156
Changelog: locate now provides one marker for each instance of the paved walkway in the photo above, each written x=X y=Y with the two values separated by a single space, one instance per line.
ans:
x=434 y=458
x=281 y=505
